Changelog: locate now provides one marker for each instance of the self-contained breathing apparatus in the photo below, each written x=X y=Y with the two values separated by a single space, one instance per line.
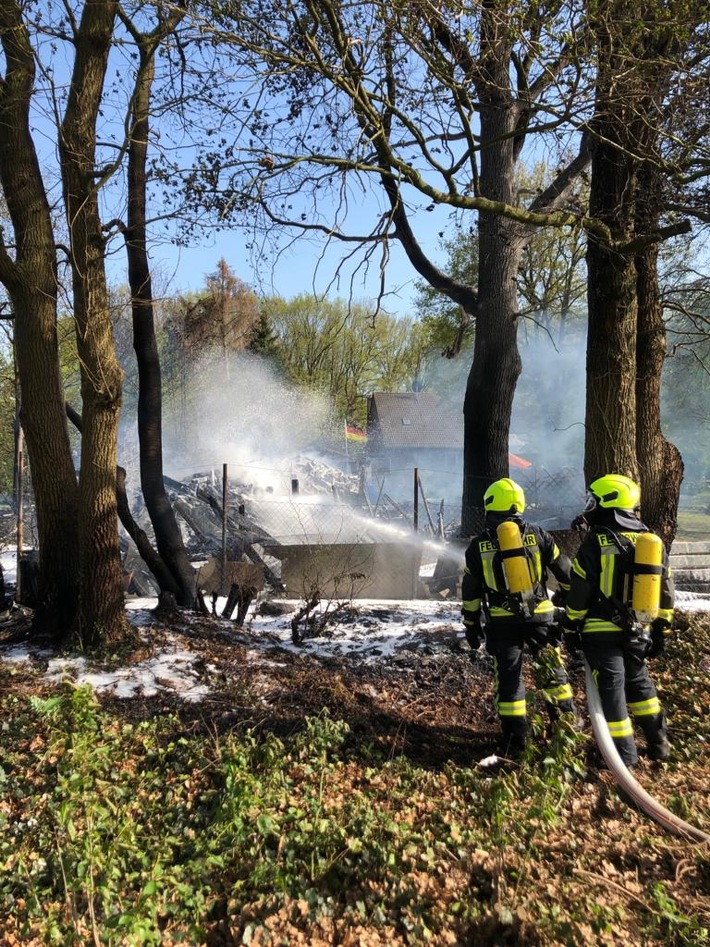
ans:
x=640 y=555
x=503 y=500
x=648 y=570
x=646 y=585
x=516 y=569
x=642 y=563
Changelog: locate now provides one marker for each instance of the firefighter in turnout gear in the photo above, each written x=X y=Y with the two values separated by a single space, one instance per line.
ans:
x=607 y=576
x=505 y=602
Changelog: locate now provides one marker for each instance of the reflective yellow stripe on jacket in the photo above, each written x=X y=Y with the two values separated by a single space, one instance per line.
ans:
x=471 y=604
x=544 y=608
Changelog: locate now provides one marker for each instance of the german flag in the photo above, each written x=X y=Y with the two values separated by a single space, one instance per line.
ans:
x=353 y=433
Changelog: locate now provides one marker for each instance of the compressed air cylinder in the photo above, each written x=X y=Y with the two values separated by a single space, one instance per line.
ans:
x=515 y=565
x=648 y=568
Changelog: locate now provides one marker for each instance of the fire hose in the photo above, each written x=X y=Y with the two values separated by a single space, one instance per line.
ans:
x=649 y=805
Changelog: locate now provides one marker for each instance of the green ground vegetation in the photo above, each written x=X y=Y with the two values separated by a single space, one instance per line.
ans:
x=152 y=831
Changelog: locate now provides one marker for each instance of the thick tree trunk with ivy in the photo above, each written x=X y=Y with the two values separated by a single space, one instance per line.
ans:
x=178 y=579
x=102 y=605
x=31 y=282
x=626 y=346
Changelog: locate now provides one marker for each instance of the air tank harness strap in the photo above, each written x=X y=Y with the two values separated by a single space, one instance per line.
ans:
x=511 y=553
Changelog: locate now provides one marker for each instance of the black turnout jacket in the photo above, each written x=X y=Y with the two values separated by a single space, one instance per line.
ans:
x=484 y=589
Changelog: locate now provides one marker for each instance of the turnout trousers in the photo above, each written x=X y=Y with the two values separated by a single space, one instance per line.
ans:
x=625 y=690
x=506 y=644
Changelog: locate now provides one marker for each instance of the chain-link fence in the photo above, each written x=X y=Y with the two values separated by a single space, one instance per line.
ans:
x=309 y=544
x=313 y=524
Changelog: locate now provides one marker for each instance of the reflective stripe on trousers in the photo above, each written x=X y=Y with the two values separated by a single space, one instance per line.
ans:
x=625 y=689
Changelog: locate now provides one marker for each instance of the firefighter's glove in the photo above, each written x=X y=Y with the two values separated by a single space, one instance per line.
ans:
x=555 y=634
x=558 y=598
x=572 y=636
x=573 y=643
x=660 y=630
x=472 y=628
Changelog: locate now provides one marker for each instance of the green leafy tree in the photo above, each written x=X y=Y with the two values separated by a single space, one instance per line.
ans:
x=263 y=340
x=344 y=349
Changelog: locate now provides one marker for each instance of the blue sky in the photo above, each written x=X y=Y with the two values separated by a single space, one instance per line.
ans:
x=305 y=265
x=301 y=269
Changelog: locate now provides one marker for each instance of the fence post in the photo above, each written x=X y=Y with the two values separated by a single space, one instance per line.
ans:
x=20 y=486
x=224 y=528
x=415 y=515
x=426 y=507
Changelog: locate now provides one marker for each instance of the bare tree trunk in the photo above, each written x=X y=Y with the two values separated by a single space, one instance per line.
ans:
x=31 y=282
x=626 y=346
x=488 y=404
x=179 y=573
x=660 y=461
x=610 y=435
x=139 y=536
x=495 y=369
x=102 y=605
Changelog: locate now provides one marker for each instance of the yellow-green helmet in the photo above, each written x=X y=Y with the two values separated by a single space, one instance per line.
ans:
x=616 y=492
x=504 y=496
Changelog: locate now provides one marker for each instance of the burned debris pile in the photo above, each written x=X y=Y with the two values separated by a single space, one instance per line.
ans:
x=313 y=532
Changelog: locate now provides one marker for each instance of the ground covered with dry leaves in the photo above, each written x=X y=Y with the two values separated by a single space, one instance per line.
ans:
x=311 y=800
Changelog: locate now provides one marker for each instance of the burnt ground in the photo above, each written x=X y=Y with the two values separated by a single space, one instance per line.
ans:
x=429 y=701
x=427 y=698
x=424 y=697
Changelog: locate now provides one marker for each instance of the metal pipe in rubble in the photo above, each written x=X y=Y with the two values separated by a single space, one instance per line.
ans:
x=624 y=778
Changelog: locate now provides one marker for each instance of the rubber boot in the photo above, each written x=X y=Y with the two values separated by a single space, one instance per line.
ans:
x=656 y=733
x=513 y=741
x=660 y=749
